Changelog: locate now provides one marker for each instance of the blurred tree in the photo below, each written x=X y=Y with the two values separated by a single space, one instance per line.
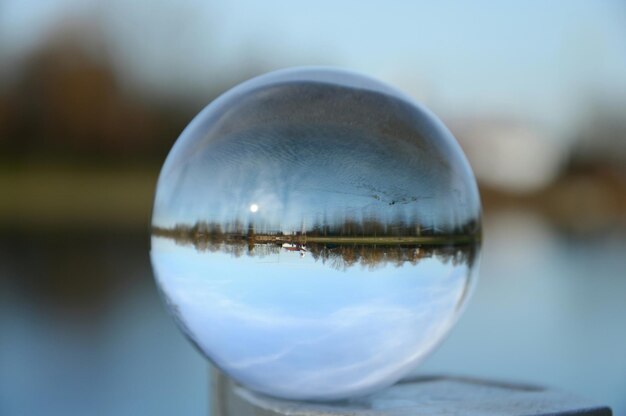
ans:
x=67 y=102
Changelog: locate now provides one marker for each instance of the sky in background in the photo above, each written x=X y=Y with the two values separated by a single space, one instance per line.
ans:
x=540 y=61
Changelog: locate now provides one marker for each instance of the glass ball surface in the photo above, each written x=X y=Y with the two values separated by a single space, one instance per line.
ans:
x=315 y=233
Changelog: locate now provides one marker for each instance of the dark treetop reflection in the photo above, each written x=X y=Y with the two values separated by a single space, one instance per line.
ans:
x=339 y=252
x=359 y=219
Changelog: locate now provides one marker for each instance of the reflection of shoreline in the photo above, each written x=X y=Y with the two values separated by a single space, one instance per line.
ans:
x=337 y=252
x=431 y=240
x=348 y=235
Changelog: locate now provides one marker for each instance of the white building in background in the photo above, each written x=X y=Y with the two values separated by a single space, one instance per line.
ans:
x=510 y=156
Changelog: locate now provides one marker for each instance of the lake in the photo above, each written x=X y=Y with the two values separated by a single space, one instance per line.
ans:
x=83 y=330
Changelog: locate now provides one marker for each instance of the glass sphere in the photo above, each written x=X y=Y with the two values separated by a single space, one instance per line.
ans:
x=315 y=233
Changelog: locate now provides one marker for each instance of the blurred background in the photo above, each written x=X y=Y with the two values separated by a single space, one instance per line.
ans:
x=94 y=94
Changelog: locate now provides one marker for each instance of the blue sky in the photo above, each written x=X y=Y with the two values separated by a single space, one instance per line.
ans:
x=535 y=60
x=292 y=326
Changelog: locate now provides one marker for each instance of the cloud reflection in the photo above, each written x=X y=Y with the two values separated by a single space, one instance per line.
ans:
x=296 y=328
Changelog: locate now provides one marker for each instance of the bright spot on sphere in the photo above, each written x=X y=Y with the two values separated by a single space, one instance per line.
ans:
x=254 y=208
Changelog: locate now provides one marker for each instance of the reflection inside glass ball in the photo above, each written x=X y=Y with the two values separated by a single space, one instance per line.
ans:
x=315 y=233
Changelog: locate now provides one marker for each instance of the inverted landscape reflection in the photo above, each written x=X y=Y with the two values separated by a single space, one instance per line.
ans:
x=315 y=233
x=313 y=318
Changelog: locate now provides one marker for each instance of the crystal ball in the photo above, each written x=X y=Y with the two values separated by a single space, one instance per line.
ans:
x=315 y=233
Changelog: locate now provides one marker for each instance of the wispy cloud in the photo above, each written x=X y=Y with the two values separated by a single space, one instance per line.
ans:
x=294 y=334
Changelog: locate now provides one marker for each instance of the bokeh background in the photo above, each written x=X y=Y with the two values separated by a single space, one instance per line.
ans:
x=93 y=94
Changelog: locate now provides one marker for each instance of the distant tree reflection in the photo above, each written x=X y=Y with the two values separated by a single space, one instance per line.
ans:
x=340 y=251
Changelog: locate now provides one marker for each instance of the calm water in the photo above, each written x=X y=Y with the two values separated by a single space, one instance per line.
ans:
x=83 y=331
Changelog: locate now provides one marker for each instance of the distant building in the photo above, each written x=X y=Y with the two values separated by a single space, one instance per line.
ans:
x=509 y=155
